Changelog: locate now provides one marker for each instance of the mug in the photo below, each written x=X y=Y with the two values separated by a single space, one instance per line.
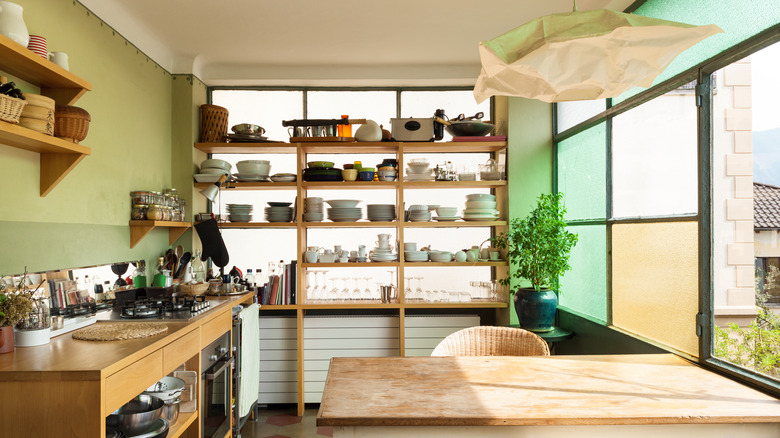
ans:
x=386 y=293
x=59 y=58
x=298 y=131
x=494 y=255
x=311 y=256
x=383 y=237
x=38 y=45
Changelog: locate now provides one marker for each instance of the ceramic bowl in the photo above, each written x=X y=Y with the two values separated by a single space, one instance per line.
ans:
x=366 y=175
x=214 y=171
x=447 y=211
x=253 y=167
x=349 y=174
x=343 y=203
x=480 y=197
x=320 y=163
x=480 y=204
x=214 y=163
x=418 y=207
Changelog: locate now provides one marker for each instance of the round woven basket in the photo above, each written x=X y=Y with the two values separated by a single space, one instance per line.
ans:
x=213 y=123
x=71 y=123
x=193 y=289
x=11 y=108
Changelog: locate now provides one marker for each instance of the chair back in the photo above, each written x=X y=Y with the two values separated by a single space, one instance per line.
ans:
x=492 y=341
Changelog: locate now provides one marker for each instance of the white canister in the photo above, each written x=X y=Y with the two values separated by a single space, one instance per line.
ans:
x=12 y=24
x=32 y=338
x=60 y=58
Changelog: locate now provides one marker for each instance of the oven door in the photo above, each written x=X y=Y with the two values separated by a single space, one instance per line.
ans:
x=216 y=390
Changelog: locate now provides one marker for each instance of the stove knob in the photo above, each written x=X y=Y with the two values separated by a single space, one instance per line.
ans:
x=221 y=350
x=213 y=358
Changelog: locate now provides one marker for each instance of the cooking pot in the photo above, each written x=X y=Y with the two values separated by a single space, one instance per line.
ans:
x=468 y=126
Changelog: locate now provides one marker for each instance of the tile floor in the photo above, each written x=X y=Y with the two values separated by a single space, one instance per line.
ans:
x=284 y=423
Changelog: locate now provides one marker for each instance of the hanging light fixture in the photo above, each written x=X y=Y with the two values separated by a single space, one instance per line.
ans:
x=582 y=55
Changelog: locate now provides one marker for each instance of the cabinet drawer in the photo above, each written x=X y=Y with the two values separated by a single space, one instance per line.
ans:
x=214 y=329
x=132 y=380
x=180 y=350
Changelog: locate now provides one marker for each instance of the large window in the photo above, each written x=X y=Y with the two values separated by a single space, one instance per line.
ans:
x=674 y=191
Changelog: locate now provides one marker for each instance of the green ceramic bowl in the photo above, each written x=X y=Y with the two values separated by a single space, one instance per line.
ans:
x=320 y=163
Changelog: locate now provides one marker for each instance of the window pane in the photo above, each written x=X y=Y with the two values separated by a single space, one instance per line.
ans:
x=585 y=286
x=264 y=108
x=378 y=106
x=572 y=113
x=582 y=173
x=453 y=102
x=655 y=289
x=739 y=19
x=746 y=213
x=654 y=158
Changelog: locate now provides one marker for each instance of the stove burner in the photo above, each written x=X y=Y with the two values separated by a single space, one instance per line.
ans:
x=159 y=307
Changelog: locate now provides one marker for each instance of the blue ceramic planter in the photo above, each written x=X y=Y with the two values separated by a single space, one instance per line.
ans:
x=536 y=310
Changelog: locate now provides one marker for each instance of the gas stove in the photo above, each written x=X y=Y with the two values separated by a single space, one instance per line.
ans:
x=161 y=308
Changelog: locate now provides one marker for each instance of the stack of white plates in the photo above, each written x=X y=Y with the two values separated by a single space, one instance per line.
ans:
x=279 y=212
x=313 y=209
x=416 y=256
x=284 y=177
x=383 y=255
x=418 y=170
x=239 y=212
x=380 y=212
x=419 y=215
x=480 y=207
x=345 y=214
x=250 y=177
x=440 y=256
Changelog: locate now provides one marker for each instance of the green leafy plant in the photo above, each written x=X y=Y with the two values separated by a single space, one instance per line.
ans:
x=756 y=346
x=538 y=246
x=15 y=303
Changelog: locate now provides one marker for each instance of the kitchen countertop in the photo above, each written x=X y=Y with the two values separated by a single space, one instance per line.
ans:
x=94 y=360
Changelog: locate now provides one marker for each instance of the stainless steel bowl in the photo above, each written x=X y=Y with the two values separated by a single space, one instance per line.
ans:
x=137 y=415
x=171 y=410
x=248 y=128
x=470 y=128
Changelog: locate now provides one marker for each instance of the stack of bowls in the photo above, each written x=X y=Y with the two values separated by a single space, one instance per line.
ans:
x=312 y=209
x=215 y=166
x=447 y=214
x=440 y=256
x=344 y=210
x=253 y=170
x=380 y=212
x=279 y=212
x=419 y=170
x=239 y=212
x=383 y=255
x=415 y=256
x=419 y=213
x=480 y=207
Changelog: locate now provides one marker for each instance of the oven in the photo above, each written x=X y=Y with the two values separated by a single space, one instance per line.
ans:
x=216 y=362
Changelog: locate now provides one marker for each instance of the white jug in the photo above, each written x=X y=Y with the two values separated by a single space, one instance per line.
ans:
x=12 y=24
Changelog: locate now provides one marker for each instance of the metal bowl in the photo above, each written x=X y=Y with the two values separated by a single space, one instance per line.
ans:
x=168 y=389
x=248 y=128
x=470 y=128
x=137 y=415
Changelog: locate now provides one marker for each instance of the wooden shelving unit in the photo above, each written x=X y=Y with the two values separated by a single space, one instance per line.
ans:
x=57 y=156
x=303 y=189
x=139 y=230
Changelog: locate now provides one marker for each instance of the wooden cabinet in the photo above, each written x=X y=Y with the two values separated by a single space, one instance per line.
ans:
x=401 y=189
x=57 y=156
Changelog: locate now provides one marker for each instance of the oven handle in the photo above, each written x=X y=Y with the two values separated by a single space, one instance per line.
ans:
x=215 y=373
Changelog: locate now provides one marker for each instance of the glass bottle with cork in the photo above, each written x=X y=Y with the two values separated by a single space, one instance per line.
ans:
x=345 y=130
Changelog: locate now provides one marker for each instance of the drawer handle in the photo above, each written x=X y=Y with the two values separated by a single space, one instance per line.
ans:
x=218 y=371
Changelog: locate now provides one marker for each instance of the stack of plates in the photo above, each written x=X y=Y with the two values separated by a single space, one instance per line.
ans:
x=383 y=255
x=284 y=177
x=416 y=256
x=380 y=212
x=250 y=177
x=279 y=212
x=419 y=215
x=345 y=214
x=480 y=207
x=419 y=170
x=239 y=212
x=312 y=209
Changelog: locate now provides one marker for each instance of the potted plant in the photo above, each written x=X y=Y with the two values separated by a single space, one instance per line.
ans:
x=538 y=248
x=15 y=304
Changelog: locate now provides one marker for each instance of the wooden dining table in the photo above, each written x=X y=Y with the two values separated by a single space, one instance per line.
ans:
x=551 y=396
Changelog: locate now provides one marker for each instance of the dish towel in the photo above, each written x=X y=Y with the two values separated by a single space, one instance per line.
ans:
x=250 y=359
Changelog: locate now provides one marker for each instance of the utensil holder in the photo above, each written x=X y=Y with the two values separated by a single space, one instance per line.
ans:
x=213 y=123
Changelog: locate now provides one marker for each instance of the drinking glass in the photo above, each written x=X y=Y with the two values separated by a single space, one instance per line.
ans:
x=356 y=290
x=408 y=290
x=366 y=289
x=418 y=292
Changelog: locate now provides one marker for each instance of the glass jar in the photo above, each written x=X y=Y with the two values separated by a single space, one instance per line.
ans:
x=141 y=197
x=155 y=212
x=138 y=213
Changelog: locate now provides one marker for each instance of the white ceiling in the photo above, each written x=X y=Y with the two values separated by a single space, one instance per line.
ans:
x=313 y=42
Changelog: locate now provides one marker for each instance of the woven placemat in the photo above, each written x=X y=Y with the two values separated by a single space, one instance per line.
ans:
x=119 y=331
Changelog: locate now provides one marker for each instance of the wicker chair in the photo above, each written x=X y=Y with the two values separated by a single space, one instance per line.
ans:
x=492 y=341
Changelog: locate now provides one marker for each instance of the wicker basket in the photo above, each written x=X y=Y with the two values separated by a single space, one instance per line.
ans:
x=71 y=123
x=213 y=124
x=11 y=108
x=193 y=289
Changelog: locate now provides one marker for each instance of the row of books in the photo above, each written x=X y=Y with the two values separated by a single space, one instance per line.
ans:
x=280 y=289
x=65 y=292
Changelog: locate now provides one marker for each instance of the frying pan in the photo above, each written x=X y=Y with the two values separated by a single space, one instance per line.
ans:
x=462 y=126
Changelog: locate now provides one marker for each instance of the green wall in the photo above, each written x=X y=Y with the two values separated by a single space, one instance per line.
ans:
x=84 y=220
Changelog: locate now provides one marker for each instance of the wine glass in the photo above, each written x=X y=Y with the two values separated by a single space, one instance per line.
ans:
x=311 y=287
x=367 y=290
x=418 y=292
x=356 y=290
x=408 y=290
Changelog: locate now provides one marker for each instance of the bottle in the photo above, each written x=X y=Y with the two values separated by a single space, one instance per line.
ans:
x=198 y=269
x=97 y=285
x=159 y=273
x=259 y=279
x=139 y=275
x=250 y=278
x=345 y=130
x=87 y=285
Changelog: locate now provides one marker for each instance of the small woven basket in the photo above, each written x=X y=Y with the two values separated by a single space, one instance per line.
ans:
x=193 y=289
x=213 y=124
x=71 y=123
x=11 y=108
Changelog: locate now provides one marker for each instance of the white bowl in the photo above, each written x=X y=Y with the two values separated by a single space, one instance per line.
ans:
x=215 y=164
x=480 y=197
x=418 y=170
x=253 y=168
x=480 y=204
x=418 y=207
x=206 y=177
x=214 y=171
x=447 y=211
x=343 y=203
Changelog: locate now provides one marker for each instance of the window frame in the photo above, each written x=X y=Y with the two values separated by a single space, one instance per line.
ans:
x=702 y=73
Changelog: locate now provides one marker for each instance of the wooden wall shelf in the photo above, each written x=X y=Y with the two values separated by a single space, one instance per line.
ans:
x=139 y=230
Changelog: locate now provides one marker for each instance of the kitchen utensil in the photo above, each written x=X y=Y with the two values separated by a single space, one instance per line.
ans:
x=137 y=415
x=248 y=128
x=167 y=389
x=183 y=261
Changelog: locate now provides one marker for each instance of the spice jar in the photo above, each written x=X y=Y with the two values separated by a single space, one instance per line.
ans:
x=154 y=213
x=138 y=213
x=141 y=197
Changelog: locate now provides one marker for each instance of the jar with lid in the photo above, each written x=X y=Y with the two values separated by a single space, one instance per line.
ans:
x=155 y=212
x=138 y=213
x=141 y=197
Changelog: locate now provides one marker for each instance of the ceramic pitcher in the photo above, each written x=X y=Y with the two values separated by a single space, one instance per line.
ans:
x=12 y=24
